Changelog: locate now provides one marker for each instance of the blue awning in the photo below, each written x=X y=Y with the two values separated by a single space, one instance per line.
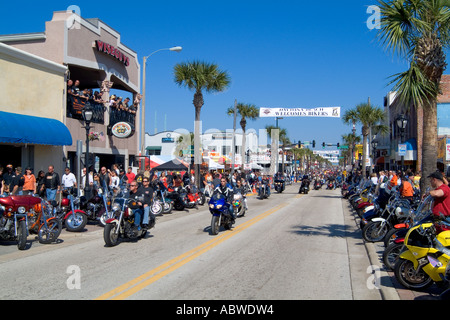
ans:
x=17 y=128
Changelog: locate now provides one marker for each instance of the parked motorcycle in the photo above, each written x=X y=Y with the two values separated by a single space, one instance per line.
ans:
x=221 y=217
x=376 y=229
x=13 y=220
x=69 y=212
x=96 y=208
x=43 y=223
x=194 y=196
x=394 y=240
x=178 y=196
x=121 y=226
x=161 y=197
x=425 y=260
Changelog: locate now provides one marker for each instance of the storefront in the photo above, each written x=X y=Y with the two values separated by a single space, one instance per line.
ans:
x=91 y=53
x=32 y=129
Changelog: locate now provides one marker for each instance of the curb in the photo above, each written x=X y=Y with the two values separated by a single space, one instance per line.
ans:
x=387 y=288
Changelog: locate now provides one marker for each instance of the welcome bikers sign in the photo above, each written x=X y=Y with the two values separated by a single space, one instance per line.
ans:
x=332 y=112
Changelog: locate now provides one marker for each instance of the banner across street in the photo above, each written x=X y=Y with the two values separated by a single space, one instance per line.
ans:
x=331 y=112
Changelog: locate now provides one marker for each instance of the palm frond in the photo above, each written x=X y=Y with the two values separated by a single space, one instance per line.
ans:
x=413 y=87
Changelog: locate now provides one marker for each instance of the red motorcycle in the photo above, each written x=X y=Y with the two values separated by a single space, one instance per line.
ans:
x=194 y=196
x=13 y=221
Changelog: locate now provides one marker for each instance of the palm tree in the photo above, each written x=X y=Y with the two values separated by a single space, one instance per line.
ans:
x=368 y=116
x=419 y=31
x=200 y=76
x=351 y=140
x=246 y=111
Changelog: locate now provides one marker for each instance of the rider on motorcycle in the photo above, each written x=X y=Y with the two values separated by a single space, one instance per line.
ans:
x=305 y=182
x=137 y=207
x=225 y=188
x=240 y=187
x=148 y=190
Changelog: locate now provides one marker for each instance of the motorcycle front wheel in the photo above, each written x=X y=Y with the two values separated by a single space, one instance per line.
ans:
x=50 y=233
x=168 y=207
x=374 y=231
x=156 y=208
x=111 y=238
x=215 y=225
x=22 y=234
x=76 y=222
x=409 y=277
x=390 y=255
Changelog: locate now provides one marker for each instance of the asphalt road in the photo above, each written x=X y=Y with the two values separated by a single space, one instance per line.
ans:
x=287 y=247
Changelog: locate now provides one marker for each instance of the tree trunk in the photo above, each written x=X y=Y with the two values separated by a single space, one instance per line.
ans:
x=429 y=147
x=198 y=103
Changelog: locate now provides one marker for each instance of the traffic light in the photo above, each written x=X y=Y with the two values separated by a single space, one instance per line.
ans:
x=338 y=145
x=299 y=144
x=323 y=145
x=314 y=143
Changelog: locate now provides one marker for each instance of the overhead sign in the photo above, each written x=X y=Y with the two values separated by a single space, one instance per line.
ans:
x=332 y=112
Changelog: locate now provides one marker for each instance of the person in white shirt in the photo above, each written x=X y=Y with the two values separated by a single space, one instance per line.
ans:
x=68 y=179
x=114 y=182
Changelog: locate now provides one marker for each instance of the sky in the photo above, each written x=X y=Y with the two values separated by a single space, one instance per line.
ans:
x=279 y=54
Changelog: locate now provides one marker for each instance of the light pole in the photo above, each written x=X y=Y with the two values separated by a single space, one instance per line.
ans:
x=402 y=122
x=176 y=49
x=87 y=116
x=374 y=150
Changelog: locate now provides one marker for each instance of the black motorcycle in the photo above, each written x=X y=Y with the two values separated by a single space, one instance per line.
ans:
x=264 y=191
x=279 y=185
x=179 y=198
x=304 y=188
x=121 y=225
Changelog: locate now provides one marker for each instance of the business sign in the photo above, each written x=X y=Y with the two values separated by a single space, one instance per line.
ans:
x=112 y=51
x=332 y=112
x=122 y=130
x=402 y=150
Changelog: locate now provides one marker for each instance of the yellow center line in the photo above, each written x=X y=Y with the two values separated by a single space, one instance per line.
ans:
x=139 y=283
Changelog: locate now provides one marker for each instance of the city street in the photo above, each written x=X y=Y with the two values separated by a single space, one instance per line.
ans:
x=287 y=247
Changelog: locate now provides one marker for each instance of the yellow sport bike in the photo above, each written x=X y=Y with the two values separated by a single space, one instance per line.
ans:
x=425 y=258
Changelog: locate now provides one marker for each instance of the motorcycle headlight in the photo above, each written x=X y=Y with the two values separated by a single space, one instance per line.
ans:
x=21 y=210
x=211 y=206
x=116 y=207
x=219 y=206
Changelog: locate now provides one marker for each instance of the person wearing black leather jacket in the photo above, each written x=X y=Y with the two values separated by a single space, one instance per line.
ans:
x=137 y=194
x=227 y=190
x=305 y=182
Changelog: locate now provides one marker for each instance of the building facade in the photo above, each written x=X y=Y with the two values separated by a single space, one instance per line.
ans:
x=92 y=53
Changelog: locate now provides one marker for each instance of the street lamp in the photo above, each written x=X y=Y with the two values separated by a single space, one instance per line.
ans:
x=402 y=122
x=374 y=150
x=176 y=49
x=87 y=116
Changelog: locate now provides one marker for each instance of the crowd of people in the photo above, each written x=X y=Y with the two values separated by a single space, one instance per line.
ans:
x=120 y=109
